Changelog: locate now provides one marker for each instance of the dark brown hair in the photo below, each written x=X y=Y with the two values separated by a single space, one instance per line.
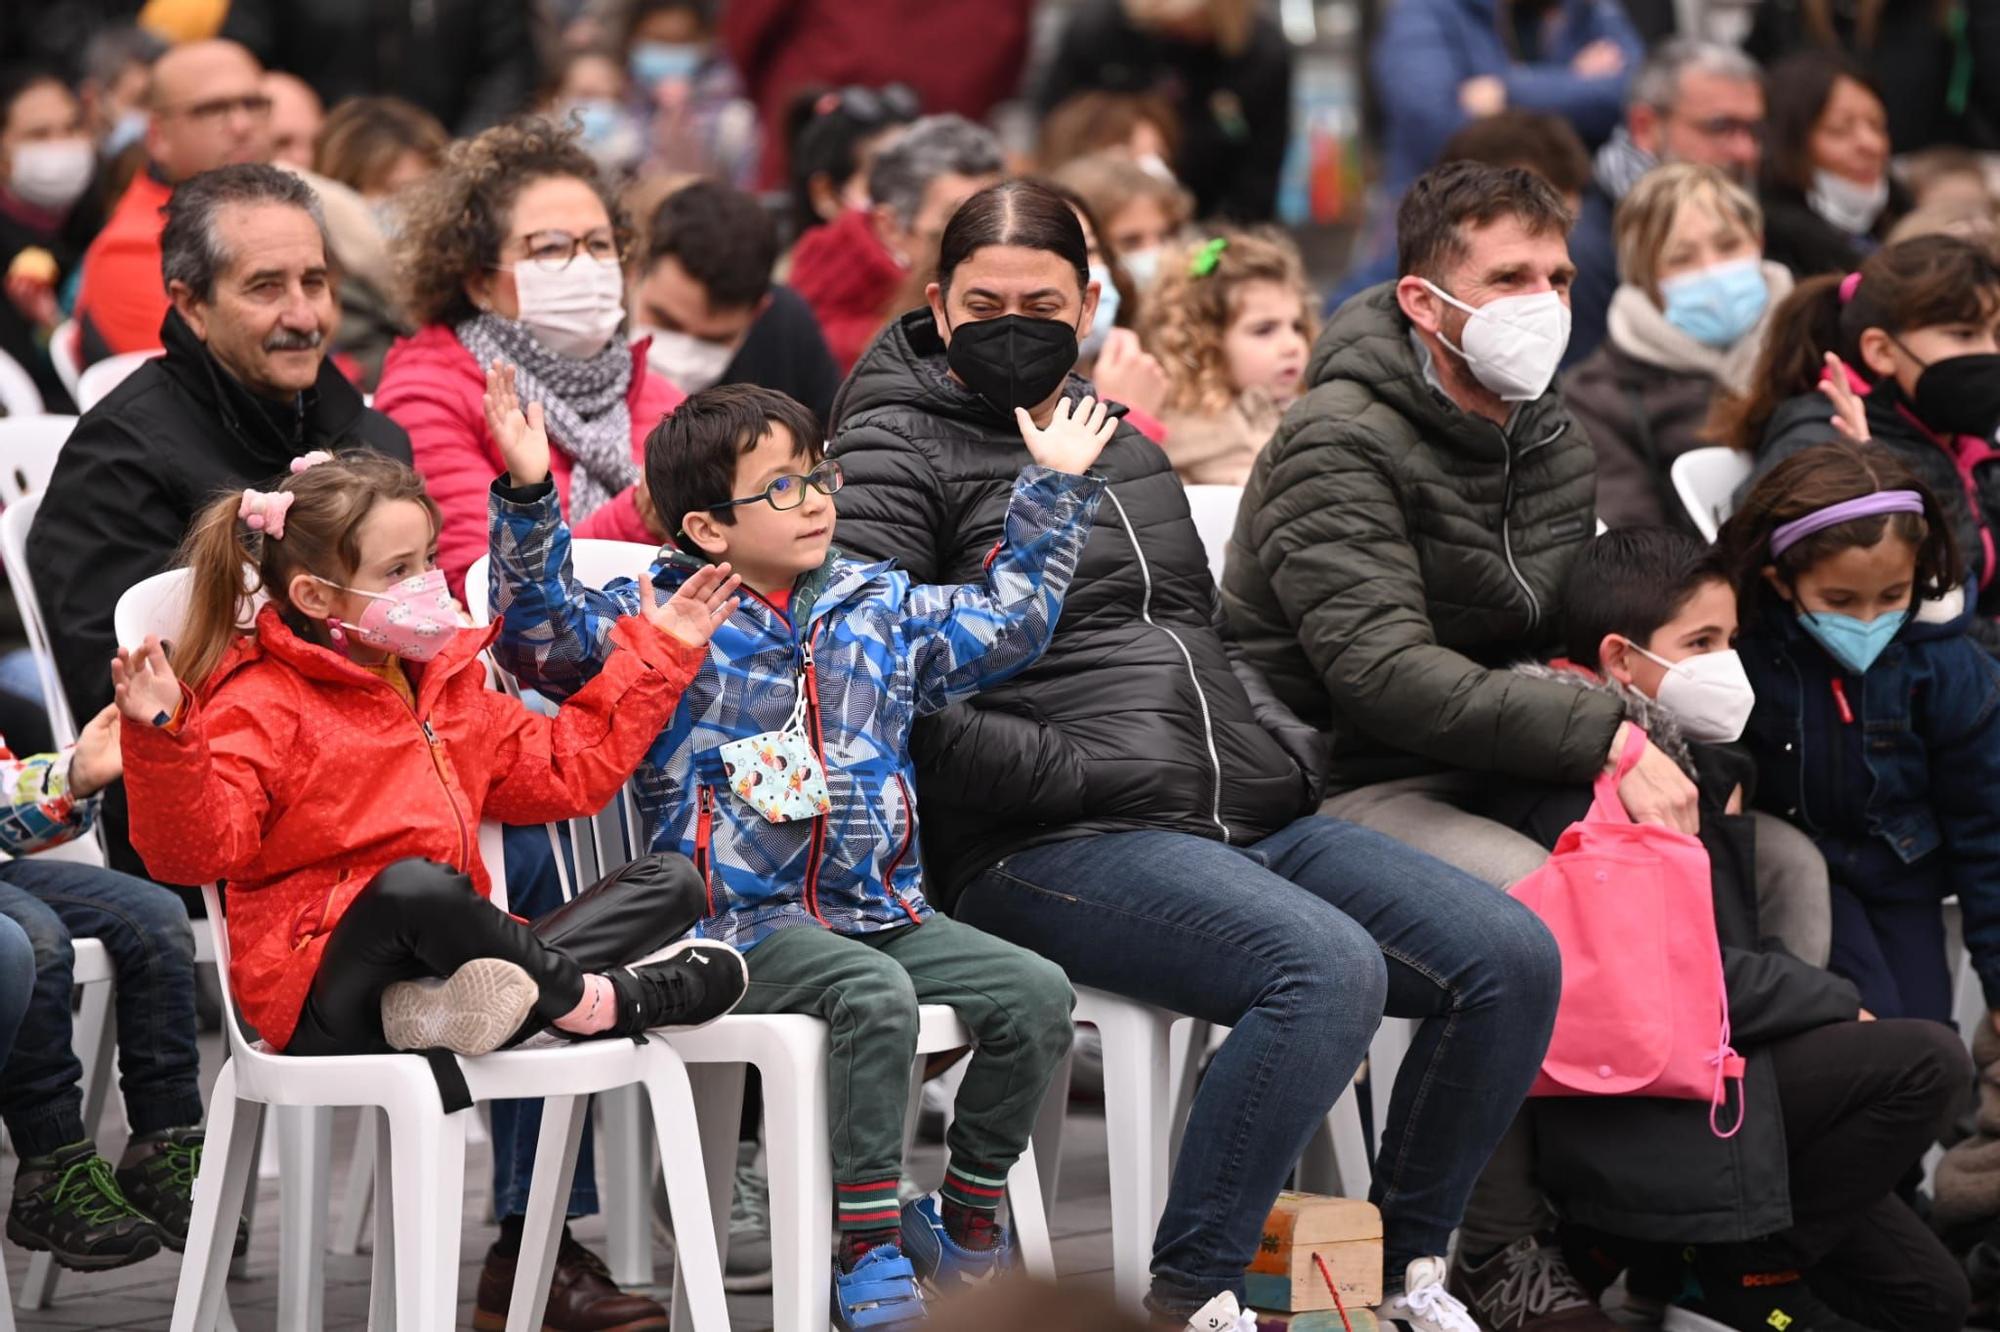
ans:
x=1818 y=478
x=1917 y=283
x=1026 y=213
x=1535 y=140
x=364 y=137
x=1128 y=291
x=228 y=563
x=691 y=455
x=1089 y=122
x=1798 y=89
x=1430 y=235
x=721 y=236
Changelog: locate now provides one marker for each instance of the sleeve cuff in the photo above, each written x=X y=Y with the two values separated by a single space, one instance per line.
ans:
x=523 y=495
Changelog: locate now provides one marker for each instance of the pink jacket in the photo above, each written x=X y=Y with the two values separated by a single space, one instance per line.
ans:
x=433 y=388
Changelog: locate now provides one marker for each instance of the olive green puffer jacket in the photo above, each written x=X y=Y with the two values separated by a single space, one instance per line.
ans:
x=1393 y=555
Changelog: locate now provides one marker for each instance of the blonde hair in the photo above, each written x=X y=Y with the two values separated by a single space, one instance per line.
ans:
x=1110 y=180
x=1646 y=217
x=228 y=563
x=1188 y=312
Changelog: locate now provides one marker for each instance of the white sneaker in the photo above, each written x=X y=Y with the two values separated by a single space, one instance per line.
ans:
x=1222 y=1314
x=1424 y=1305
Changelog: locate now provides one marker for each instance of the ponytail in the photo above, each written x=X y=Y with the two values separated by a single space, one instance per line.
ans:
x=222 y=576
x=1803 y=329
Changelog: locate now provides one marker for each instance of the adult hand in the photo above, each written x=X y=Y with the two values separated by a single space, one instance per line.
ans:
x=1483 y=96
x=1126 y=372
x=1599 y=60
x=524 y=443
x=144 y=684
x=1072 y=439
x=697 y=608
x=95 y=763
x=1850 y=414
x=1656 y=790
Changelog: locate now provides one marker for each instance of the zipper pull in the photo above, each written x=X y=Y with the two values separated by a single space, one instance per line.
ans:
x=1840 y=701
x=806 y=652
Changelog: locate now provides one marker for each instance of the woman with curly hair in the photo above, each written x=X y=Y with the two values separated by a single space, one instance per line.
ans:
x=1231 y=320
x=510 y=258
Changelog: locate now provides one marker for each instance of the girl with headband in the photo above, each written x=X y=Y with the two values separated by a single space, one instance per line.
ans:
x=1877 y=724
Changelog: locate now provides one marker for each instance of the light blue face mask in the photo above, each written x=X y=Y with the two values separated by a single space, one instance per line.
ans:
x=1717 y=305
x=1853 y=643
x=655 y=63
x=1107 y=312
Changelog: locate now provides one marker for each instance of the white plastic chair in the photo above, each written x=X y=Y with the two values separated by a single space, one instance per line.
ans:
x=98 y=380
x=18 y=394
x=15 y=521
x=29 y=446
x=66 y=353
x=1214 y=509
x=1706 y=481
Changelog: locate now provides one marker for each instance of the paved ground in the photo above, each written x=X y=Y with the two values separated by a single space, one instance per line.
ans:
x=142 y=1296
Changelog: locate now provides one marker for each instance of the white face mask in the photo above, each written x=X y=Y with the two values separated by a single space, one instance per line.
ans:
x=1708 y=693
x=1142 y=266
x=1513 y=344
x=1106 y=318
x=1853 y=208
x=52 y=174
x=574 y=310
x=687 y=362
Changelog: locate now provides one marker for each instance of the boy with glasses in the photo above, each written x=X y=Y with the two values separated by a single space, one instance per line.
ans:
x=786 y=775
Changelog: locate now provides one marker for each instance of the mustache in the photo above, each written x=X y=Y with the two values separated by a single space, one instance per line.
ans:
x=286 y=340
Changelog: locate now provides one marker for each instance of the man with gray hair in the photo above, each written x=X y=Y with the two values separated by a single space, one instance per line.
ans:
x=1692 y=101
x=868 y=265
x=244 y=388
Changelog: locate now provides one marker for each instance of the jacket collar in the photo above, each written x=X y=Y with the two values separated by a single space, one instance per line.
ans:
x=1660 y=725
x=327 y=412
x=814 y=594
x=276 y=640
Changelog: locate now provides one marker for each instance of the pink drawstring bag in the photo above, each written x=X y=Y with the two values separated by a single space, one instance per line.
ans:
x=1643 y=1009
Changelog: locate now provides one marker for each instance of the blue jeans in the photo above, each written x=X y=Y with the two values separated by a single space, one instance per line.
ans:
x=145 y=929
x=532 y=890
x=1300 y=943
x=17 y=982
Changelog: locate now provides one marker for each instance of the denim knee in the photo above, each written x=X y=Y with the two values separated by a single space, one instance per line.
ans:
x=1518 y=963
x=17 y=979
x=48 y=938
x=161 y=920
x=1333 y=978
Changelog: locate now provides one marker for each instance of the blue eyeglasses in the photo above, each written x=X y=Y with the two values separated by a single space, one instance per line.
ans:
x=789 y=491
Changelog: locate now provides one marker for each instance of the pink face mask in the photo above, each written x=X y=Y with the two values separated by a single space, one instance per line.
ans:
x=413 y=619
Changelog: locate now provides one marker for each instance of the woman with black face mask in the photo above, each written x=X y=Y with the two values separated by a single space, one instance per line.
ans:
x=1903 y=352
x=1138 y=807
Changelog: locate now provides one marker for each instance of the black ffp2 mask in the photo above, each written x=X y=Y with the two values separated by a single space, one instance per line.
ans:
x=1012 y=361
x=1960 y=395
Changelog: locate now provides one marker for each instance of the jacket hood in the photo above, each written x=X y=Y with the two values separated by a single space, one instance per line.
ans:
x=1660 y=725
x=905 y=368
x=1801 y=412
x=841 y=266
x=1368 y=343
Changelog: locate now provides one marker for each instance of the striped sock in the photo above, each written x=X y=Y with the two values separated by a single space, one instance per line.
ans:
x=868 y=1207
x=973 y=1186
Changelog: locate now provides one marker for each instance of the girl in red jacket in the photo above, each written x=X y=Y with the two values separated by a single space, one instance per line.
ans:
x=334 y=764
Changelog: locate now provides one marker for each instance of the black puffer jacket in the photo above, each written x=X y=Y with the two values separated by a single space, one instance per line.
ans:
x=1393 y=555
x=1135 y=717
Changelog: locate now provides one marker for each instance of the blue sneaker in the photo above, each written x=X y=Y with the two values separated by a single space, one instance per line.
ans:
x=881 y=1292
x=941 y=1263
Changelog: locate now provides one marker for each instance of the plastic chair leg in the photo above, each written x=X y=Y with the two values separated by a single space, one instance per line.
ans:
x=1189 y=1045
x=1135 y=1105
x=716 y=1092
x=382 y=1283
x=1048 y=1134
x=228 y=1159
x=305 y=1144
x=548 y=1196
x=428 y=1155
x=795 y=1139
x=355 y=1197
x=670 y=1095
x=91 y=1037
x=1030 y=1219
x=627 y=1153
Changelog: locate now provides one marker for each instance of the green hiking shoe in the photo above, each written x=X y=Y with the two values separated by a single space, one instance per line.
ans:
x=68 y=1205
x=157 y=1174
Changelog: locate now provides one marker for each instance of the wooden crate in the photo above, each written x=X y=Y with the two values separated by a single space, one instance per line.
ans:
x=1344 y=1234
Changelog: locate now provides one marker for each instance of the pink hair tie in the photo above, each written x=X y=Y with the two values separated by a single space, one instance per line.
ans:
x=313 y=459
x=1849 y=285
x=264 y=511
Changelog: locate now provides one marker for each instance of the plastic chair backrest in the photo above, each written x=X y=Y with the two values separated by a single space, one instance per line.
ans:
x=1706 y=481
x=593 y=561
x=66 y=354
x=15 y=520
x=29 y=446
x=98 y=380
x=18 y=394
x=1214 y=510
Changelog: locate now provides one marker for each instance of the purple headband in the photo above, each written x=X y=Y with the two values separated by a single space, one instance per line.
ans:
x=1863 y=506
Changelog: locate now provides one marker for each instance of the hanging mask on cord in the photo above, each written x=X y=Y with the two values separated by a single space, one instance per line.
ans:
x=776 y=773
x=1012 y=361
x=1851 y=207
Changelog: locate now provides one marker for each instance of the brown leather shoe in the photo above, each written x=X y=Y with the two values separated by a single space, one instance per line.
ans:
x=582 y=1297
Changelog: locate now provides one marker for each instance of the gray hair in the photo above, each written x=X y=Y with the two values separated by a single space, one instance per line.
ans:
x=1658 y=82
x=190 y=250
x=932 y=147
x=112 y=49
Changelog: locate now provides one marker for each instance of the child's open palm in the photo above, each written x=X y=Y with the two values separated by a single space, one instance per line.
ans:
x=523 y=440
x=697 y=608
x=145 y=686
x=1074 y=437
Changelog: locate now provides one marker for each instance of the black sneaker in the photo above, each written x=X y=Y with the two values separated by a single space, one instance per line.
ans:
x=688 y=984
x=1754 y=1302
x=68 y=1205
x=157 y=1176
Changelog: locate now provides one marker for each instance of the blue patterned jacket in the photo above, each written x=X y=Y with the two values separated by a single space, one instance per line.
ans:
x=875 y=650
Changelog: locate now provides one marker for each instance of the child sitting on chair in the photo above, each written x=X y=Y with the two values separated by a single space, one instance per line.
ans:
x=786 y=775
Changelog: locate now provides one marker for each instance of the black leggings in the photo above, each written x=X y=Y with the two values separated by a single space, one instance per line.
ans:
x=419 y=919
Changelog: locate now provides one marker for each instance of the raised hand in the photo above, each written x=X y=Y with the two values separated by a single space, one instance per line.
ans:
x=697 y=608
x=96 y=762
x=1072 y=439
x=144 y=684
x=1126 y=372
x=1850 y=414
x=523 y=441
